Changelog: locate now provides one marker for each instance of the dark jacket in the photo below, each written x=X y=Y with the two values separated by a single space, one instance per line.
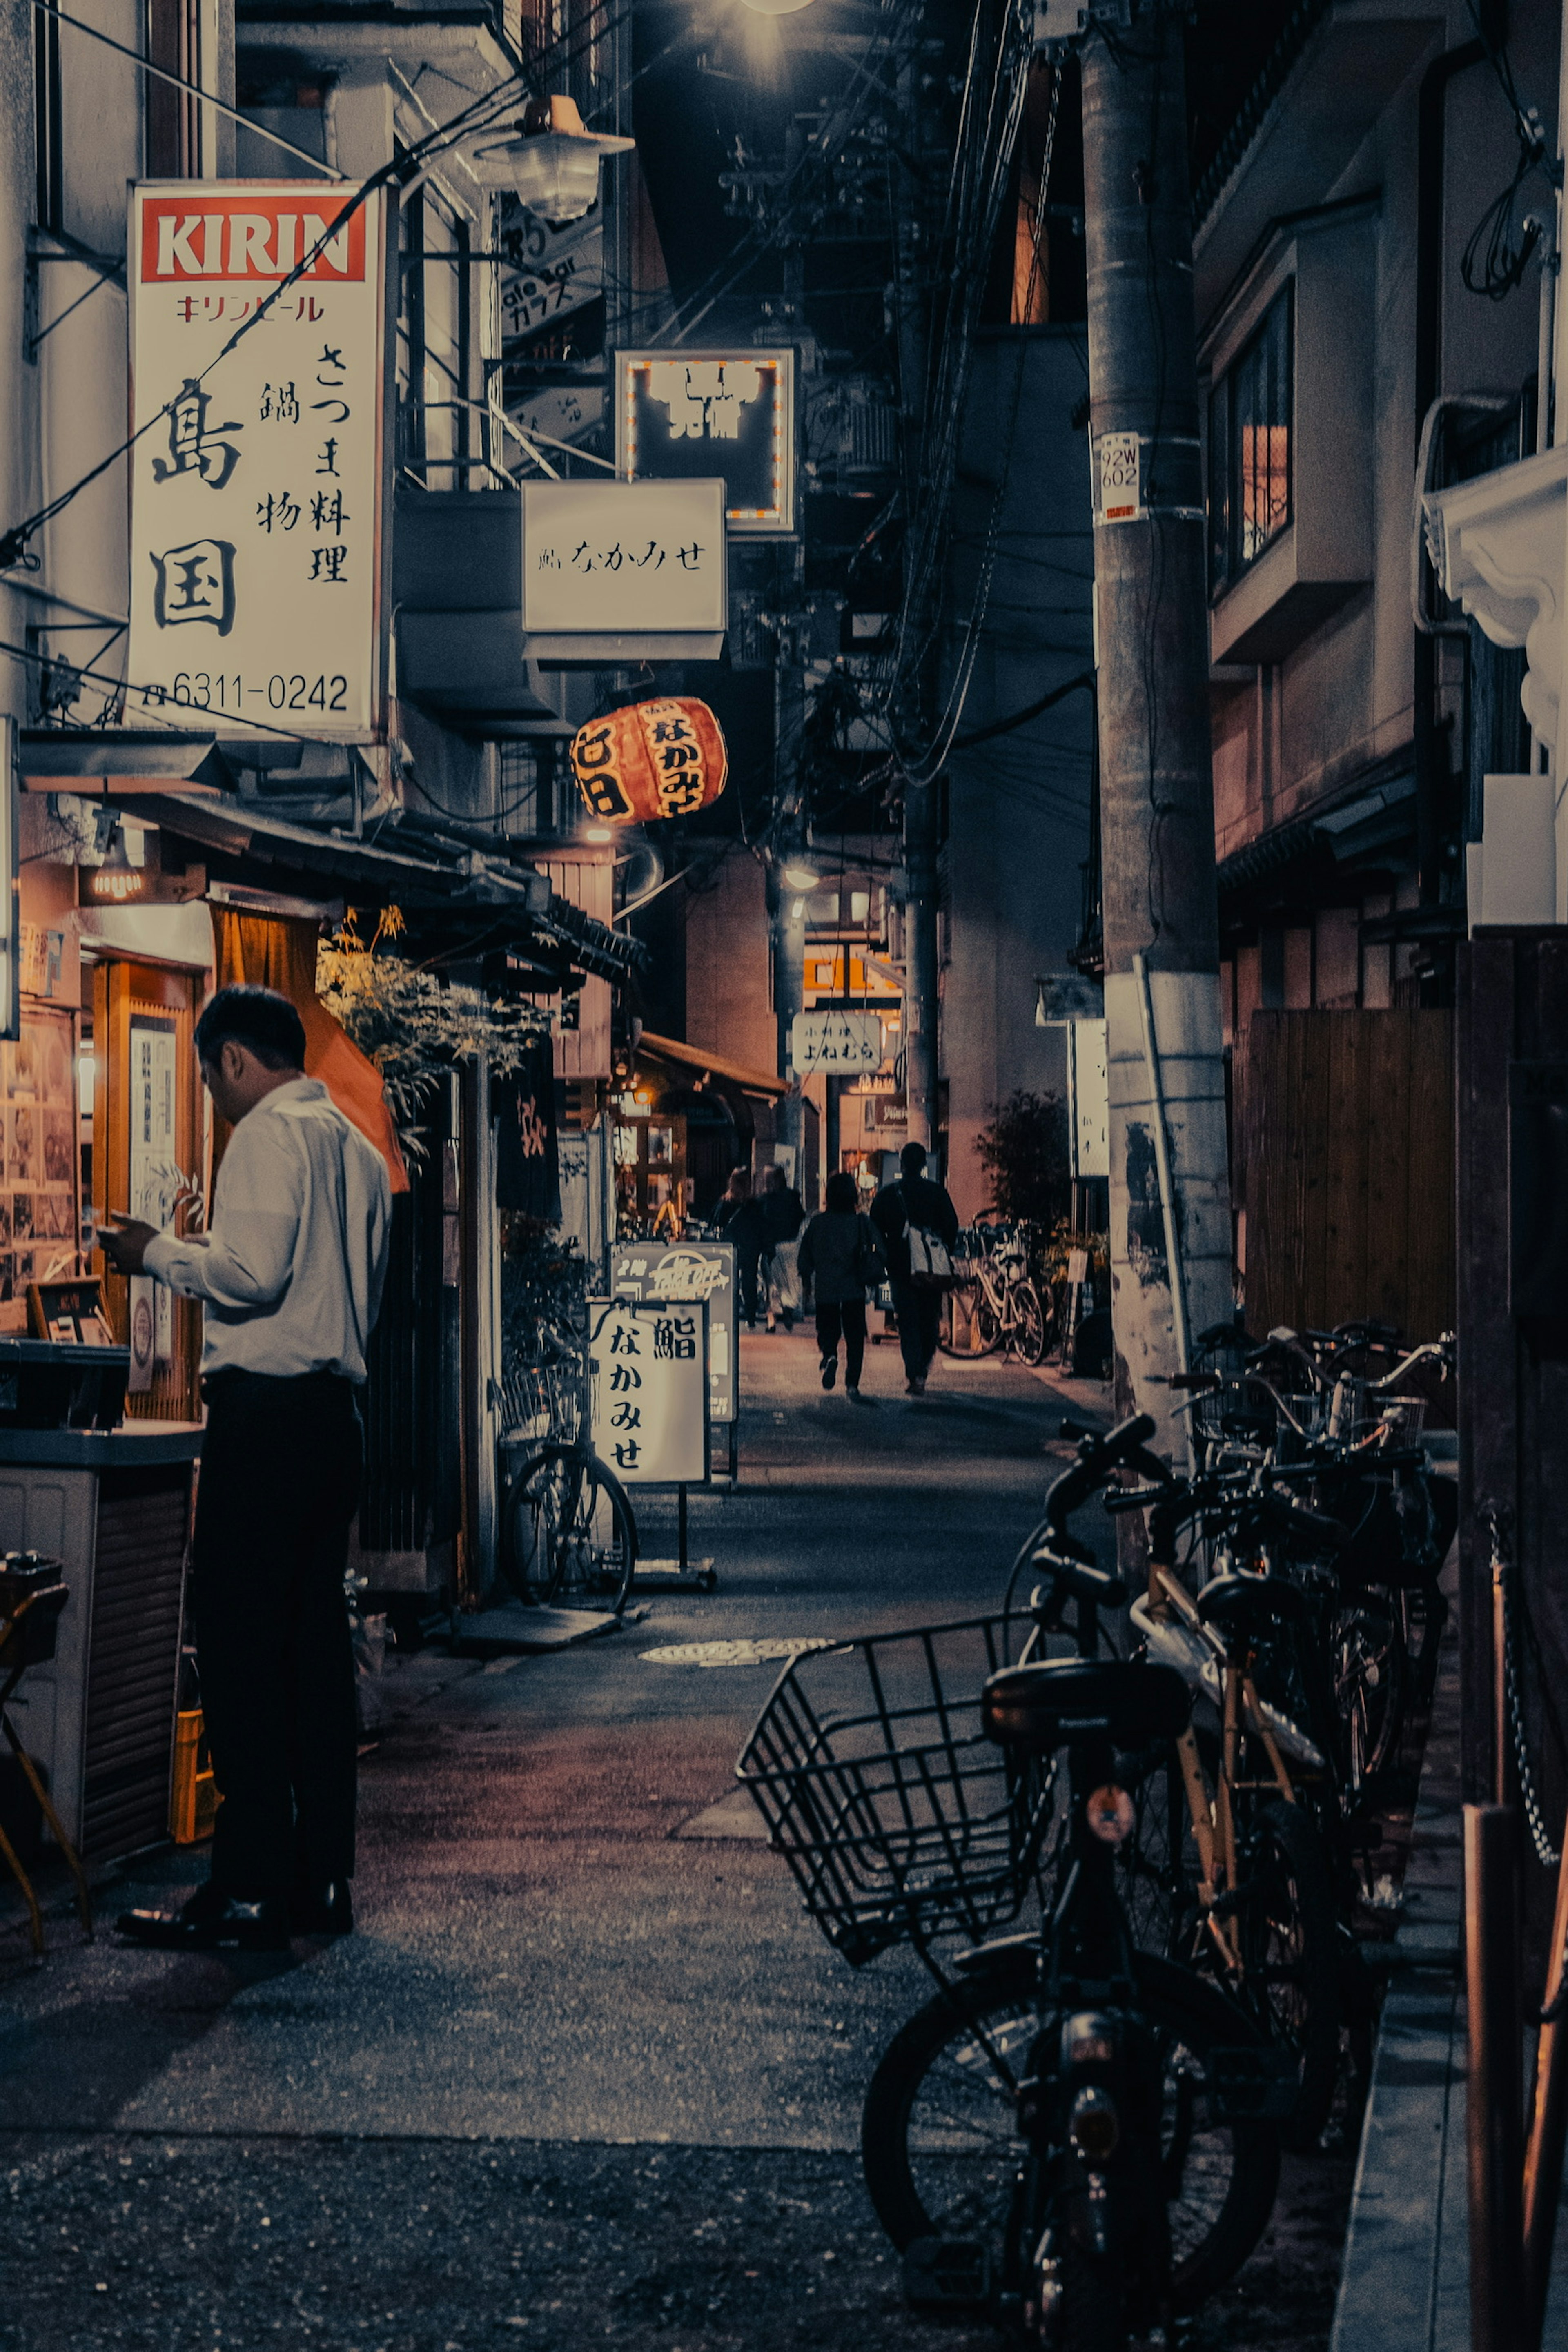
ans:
x=783 y=1215
x=912 y=1201
x=741 y=1222
x=834 y=1249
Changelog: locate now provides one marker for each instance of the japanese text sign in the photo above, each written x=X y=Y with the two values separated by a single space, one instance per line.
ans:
x=623 y=557
x=681 y=413
x=836 y=1042
x=648 y=1363
x=255 y=487
x=687 y=1271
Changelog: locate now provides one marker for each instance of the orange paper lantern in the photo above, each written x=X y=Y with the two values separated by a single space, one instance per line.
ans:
x=651 y=760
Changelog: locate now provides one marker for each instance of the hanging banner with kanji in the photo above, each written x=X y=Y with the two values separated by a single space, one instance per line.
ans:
x=647 y=1364
x=256 y=479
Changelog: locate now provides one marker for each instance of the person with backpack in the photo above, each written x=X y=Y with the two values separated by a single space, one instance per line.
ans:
x=918 y=1226
x=840 y=1251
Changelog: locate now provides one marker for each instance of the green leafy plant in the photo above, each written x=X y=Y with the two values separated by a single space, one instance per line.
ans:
x=1024 y=1151
x=414 y=1025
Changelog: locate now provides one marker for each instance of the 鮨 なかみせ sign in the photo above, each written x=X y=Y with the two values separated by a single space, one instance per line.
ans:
x=647 y=1364
x=255 y=478
x=677 y=1272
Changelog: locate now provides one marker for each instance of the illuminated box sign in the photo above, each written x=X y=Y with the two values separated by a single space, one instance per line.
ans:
x=256 y=480
x=683 y=414
x=623 y=557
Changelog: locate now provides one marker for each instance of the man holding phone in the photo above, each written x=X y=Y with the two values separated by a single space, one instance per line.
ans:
x=290 y=1273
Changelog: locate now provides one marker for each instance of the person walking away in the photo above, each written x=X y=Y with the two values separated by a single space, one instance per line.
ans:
x=840 y=1252
x=737 y=1217
x=914 y=1199
x=290 y=1273
x=783 y=1216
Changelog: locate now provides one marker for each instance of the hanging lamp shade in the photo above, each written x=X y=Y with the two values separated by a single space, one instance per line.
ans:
x=546 y=158
x=651 y=760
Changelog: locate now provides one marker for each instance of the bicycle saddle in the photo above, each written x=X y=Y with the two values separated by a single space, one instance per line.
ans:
x=1064 y=1700
x=1243 y=1607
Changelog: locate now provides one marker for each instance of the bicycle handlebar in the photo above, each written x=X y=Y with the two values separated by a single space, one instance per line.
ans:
x=1100 y=1453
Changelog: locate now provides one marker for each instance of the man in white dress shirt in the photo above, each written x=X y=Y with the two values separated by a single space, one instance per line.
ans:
x=290 y=1275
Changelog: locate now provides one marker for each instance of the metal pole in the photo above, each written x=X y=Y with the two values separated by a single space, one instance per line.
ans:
x=921 y=961
x=1153 y=687
x=1493 y=2121
x=1549 y=2124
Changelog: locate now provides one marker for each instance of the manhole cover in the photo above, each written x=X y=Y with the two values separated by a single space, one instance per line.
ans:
x=737 y=1653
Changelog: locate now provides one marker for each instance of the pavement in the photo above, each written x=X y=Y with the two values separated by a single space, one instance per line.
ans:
x=586 y=2071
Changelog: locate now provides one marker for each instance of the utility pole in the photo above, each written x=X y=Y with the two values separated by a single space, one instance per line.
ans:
x=912 y=316
x=1170 y=1192
x=787 y=848
x=921 y=961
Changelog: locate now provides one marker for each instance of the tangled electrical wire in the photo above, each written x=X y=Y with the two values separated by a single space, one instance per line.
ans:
x=403 y=172
x=1503 y=243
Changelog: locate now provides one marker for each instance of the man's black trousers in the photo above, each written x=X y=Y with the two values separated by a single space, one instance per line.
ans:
x=279 y=1486
x=919 y=1310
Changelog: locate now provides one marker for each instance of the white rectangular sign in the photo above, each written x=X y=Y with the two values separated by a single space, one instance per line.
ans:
x=836 y=1042
x=648 y=1367
x=666 y=1271
x=1090 y=1100
x=623 y=557
x=256 y=480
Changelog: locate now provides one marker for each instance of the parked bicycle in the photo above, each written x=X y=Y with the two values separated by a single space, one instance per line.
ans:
x=568 y=1534
x=1075 y=2135
x=994 y=1302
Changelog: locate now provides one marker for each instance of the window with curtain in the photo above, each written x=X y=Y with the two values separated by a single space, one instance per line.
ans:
x=1249 y=448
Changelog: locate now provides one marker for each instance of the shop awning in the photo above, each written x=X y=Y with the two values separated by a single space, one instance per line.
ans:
x=182 y=785
x=681 y=1055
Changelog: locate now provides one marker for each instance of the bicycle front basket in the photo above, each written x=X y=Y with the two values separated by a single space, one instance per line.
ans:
x=899 y=1818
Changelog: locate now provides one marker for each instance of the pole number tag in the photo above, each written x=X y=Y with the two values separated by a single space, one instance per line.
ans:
x=1121 y=484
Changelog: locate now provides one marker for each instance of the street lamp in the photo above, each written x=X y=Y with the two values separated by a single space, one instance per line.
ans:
x=776 y=7
x=548 y=161
x=800 y=877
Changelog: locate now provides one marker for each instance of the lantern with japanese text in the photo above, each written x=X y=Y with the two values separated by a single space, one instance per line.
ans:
x=651 y=760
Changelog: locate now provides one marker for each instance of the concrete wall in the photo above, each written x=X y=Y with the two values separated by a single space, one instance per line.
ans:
x=729 y=1007
x=1018 y=805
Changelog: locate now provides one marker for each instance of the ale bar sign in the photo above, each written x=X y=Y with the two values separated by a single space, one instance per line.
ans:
x=256 y=473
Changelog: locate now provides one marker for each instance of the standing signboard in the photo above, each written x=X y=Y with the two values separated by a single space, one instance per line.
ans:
x=1088 y=1130
x=690 y=1271
x=255 y=478
x=647 y=1365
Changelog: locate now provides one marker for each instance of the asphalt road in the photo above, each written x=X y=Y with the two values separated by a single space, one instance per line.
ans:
x=587 y=2071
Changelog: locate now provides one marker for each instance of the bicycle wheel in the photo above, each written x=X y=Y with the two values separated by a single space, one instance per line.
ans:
x=1031 y=1327
x=570 y=1536
x=1370 y=1680
x=938 y=2137
x=1289 y=1949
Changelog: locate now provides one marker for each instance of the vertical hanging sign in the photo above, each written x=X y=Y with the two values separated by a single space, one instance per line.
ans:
x=256 y=479
x=154 y=1177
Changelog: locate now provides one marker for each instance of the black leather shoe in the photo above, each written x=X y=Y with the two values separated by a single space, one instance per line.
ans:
x=322 y=1910
x=212 y=1923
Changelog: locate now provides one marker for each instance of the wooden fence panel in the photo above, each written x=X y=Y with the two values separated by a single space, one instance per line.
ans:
x=1349 y=1157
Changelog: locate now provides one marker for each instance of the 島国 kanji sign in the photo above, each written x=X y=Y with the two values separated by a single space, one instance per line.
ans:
x=255 y=487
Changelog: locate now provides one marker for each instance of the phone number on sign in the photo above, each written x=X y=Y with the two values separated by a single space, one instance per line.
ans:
x=200 y=690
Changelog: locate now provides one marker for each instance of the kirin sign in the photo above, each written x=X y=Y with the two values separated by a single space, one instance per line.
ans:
x=257 y=470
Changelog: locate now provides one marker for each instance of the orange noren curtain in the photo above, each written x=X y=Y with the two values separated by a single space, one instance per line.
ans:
x=279 y=951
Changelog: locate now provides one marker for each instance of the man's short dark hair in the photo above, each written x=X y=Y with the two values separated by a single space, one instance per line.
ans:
x=913 y=1159
x=257 y=1018
x=776 y=1178
x=840 y=1192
